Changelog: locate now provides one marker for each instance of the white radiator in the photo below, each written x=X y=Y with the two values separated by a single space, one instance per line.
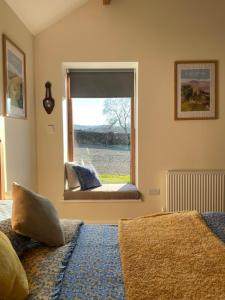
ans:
x=201 y=190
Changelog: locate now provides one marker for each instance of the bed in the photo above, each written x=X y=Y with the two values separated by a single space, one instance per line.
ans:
x=94 y=262
x=5 y=209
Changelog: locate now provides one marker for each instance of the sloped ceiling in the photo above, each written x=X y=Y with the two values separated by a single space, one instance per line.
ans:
x=37 y=15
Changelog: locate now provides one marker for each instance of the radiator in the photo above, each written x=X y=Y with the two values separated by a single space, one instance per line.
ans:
x=201 y=190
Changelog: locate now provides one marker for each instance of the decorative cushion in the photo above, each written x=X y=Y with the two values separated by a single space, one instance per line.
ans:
x=87 y=177
x=71 y=176
x=19 y=242
x=35 y=216
x=13 y=279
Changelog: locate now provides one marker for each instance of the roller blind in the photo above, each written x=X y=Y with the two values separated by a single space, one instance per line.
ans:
x=101 y=83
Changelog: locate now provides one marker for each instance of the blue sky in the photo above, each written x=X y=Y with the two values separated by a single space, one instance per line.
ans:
x=88 y=111
x=200 y=74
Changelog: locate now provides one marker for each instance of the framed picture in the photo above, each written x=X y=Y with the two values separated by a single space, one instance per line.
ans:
x=195 y=90
x=14 y=68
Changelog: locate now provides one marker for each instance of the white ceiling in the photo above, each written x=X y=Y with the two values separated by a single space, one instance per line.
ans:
x=37 y=15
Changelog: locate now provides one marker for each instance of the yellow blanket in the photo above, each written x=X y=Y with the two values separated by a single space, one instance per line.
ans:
x=171 y=256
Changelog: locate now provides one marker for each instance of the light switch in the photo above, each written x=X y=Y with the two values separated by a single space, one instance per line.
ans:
x=154 y=191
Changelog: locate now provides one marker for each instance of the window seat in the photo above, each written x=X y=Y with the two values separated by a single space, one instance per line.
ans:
x=104 y=192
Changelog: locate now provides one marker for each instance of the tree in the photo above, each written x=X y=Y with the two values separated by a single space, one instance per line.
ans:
x=117 y=111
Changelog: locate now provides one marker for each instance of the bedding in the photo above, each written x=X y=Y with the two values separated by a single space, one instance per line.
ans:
x=174 y=256
x=89 y=265
x=45 y=266
x=19 y=242
x=5 y=209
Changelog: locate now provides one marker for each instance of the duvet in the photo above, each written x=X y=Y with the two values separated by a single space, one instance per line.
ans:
x=89 y=265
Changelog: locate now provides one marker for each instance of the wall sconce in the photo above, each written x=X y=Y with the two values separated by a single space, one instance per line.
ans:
x=48 y=101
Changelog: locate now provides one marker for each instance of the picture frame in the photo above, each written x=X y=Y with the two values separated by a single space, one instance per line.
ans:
x=14 y=76
x=196 y=90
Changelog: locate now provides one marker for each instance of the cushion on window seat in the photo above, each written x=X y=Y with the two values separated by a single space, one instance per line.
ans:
x=71 y=175
x=104 y=192
x=87 y=177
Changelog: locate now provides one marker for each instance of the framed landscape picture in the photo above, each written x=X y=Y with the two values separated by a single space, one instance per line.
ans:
x=195 y=90
x=14 y=67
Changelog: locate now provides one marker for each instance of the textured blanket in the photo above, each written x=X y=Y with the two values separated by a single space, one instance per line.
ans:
x=171 y=256
x=45 y=266
x=87 y=267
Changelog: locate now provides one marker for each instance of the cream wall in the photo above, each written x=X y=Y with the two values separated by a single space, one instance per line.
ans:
x=154 y=33
x=19 y=136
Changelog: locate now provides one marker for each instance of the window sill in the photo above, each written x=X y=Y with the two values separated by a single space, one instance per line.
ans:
x=105 y=192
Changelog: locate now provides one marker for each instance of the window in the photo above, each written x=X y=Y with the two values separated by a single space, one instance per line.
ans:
x=101 y=122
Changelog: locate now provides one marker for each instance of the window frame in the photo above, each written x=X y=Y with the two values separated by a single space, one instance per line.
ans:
x=70 y=134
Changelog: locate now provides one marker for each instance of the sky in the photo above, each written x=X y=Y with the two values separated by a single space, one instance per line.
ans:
x=200 y=74
x=88 y=111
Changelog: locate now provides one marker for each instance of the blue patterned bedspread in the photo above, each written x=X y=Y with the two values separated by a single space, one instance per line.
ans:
x=94 y=269
x=216 y=222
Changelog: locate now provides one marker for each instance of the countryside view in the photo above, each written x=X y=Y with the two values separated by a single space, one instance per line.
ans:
x=102 y=137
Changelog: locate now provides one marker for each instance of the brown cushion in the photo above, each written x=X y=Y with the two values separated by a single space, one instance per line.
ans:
x=71 y=176
x=35 y=216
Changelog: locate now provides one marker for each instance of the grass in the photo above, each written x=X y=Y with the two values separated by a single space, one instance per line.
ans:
x=187 y=106
x=111 y=178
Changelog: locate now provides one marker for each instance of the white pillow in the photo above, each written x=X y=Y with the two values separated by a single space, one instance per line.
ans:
x=71 y=176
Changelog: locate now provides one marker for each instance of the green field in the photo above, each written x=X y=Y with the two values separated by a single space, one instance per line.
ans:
x=110 y=178
x=190 y=106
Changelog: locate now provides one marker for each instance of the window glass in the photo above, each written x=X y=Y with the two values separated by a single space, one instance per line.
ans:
x=102 y=136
